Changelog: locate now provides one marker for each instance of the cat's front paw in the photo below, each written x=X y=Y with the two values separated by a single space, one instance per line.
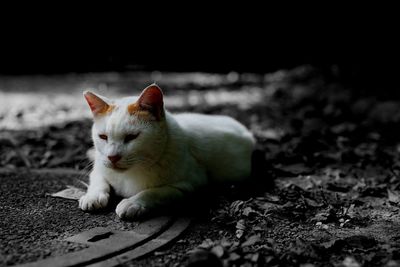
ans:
x=129 y=209
x=90 y=202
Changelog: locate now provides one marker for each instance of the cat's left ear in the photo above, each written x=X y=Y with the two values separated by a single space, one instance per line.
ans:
x=97 y=104
x=151 y=100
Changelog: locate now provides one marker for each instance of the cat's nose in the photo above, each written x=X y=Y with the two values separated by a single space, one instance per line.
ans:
x=114 y=158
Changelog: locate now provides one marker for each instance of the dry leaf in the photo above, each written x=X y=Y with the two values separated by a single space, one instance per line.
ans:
x=240 y=227
x=393 y=196
x=251 y=240
x=71 y=192
x=350 y=262
x=218 y=251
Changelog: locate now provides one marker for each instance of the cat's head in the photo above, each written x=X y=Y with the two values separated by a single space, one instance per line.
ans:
x=130 y=131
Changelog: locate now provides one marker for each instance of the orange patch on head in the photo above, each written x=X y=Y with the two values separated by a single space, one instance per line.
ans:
x=132 y=108
x=150 y=104
x=135 y=109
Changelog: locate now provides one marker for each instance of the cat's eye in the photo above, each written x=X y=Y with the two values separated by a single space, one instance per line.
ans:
x=103 y=136
x=130 y=137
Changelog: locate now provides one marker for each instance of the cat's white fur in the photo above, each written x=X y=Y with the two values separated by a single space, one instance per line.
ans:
x=171 y=157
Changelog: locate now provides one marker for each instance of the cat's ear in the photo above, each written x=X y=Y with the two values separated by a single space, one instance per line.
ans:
x=97 y=104
x=151 y=100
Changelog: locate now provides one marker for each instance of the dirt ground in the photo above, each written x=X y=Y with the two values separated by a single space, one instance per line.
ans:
x=325 y=189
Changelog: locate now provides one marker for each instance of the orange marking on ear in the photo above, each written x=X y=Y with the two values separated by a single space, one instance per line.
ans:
x=150 y=104
x=107 y=109
x=97 y=104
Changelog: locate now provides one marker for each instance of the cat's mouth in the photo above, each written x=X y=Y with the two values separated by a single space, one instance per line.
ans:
x=116 y=168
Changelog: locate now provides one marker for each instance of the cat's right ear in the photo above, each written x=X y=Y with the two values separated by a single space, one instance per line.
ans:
x=97 y=105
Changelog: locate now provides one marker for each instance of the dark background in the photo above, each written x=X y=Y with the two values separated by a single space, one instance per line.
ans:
x=357 y=47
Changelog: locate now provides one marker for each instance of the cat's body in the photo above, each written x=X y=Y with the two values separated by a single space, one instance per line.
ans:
x=168 y=157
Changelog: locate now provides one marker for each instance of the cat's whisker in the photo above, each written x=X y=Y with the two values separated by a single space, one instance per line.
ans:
x=133 y=161
x=85 y=173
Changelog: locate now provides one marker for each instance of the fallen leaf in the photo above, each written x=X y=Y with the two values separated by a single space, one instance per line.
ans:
x=303 y=182
x=240 y=227
x=254 y=257
x=251 y=241
x=394 y=196
x=218 y=251
x=313 y=203
x=271 y=198
x=248 y=211
x=206 y=244
x=71 y=192
x=294 y=170
x=350 y=262
x=271 y=134
x=234 y=256
x=235 y=208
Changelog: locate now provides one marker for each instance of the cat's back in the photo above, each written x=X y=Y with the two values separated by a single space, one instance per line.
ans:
x=200 y=123
x=221 y=143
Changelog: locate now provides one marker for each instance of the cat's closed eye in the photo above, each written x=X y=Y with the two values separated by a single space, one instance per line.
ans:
x=130 y=137
x=103 y=136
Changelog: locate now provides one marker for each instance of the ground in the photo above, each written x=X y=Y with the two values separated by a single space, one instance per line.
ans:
x=325 y=189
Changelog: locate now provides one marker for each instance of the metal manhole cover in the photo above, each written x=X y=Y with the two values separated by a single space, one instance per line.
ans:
x=39 y=230
x=110 y=248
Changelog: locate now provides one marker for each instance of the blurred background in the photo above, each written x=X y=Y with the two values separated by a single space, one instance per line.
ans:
x=44 y=69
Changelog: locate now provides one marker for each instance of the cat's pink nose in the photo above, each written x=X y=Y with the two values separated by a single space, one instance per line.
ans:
x=114 y=158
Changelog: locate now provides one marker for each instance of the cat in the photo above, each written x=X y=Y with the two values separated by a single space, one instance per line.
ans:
x=154 y=159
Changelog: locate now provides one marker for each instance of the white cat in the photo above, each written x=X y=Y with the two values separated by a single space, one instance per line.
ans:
x=154 y=159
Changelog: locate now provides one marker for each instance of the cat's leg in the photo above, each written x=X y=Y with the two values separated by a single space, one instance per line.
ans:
x=147 y=201
x=97 y=195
